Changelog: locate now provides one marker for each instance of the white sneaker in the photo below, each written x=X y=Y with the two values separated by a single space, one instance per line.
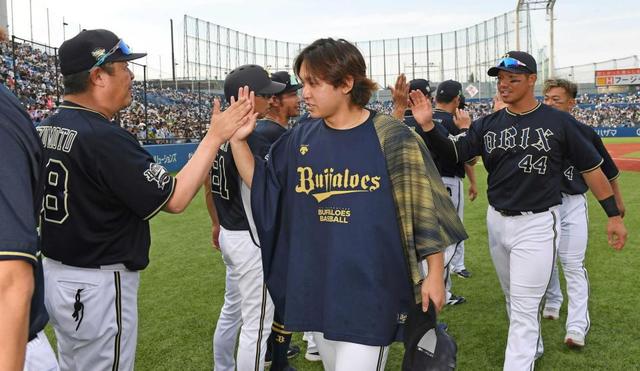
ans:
x=551 y=313
x=574 y=339
x=312 y=356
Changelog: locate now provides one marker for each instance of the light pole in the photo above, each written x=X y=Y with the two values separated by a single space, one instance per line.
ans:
x=64 y=25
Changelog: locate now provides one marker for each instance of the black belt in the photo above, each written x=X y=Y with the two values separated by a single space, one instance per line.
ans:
x=504 y=212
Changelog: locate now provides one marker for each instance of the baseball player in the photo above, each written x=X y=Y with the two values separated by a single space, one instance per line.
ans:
x=247 y=306
x=448 y=100
x=283 y=106
x=523 y=148
x=561 y=94
x=101 y=190
x=339 y=237
x=21 y=283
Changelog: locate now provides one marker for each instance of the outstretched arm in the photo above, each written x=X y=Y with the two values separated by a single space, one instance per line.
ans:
x=222 y=127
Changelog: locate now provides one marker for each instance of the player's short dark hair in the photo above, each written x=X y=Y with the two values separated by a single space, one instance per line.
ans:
x=569 y=87
x=77 y=83
x=334 y=61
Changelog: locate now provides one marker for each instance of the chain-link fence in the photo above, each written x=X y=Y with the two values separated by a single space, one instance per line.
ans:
x=211 y=51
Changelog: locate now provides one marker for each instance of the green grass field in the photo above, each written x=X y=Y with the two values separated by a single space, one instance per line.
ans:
x=181 y=294
x=622 y=140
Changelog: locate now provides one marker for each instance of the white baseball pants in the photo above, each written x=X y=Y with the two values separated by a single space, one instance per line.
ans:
x=247 y=306
x=94 y=313
x=571 y=252
x=344 y=356
x=523 y=252
x=40 y=356
x=455 y=186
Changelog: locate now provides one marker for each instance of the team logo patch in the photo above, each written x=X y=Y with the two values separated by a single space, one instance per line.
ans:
x=158 y=174
x=402 y=318
x=97 y=53
x=304 y=148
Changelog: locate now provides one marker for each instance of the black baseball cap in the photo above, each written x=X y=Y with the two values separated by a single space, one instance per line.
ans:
x=283 y=77
x=253 y=76
x=515 y=62
x=422 y=85
x=448 y=90
x=91 y=48
x=428 y=347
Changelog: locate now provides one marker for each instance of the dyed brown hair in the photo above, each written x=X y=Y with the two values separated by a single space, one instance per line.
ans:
x=569 y=87
x=334 y=61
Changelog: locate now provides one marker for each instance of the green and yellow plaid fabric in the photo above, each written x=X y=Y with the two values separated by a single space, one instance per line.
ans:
x=427 y=219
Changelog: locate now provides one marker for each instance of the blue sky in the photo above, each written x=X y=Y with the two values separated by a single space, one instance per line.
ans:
x=586 y=30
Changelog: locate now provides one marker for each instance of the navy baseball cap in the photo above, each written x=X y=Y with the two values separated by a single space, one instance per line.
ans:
x=447 y=90
x=93 y=48
x=428 y=347
x=290 y=82
x=422 y=85
x=253 y=76
x=515 y=62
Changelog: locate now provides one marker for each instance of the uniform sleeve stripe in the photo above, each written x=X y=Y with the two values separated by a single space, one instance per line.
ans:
x=157 y=210
x=593 y=168
x=19 y=254
x=455 y=149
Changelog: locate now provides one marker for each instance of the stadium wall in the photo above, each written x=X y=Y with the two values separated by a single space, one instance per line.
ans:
x=172 y=156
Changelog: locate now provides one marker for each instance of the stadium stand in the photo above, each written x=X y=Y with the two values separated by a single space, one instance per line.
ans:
x=178 y=116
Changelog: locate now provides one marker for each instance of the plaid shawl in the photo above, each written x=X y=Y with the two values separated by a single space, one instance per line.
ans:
x=427 y=219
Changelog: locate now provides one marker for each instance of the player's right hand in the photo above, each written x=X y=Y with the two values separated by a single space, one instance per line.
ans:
x=215 y=236
x=616 y=233
x=224 y=124
x=421 y=109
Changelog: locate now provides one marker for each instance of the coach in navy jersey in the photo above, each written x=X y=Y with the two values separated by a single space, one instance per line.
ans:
x=523 y=148
x=101 y=190
x=561 y=94
x=345 y=206
x=23 y=316
x=247 y=305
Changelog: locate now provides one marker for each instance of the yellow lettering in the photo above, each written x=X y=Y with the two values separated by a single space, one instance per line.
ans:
x=375 y=183
x=306 y=184
x=363 y=181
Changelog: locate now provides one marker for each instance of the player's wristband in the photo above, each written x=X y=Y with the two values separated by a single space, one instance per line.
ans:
x=610 y=207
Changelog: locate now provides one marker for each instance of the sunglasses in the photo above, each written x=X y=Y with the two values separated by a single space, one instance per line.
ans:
x=124 y=48
x=511 y=63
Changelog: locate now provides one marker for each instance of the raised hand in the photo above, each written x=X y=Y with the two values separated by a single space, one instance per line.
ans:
x=400 y=95
x=421 y=109
x=462 y=119
x=498 y=103
x=247 y=127
x=224 y=124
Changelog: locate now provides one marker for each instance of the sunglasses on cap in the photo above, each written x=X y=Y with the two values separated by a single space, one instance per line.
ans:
x=124 y=48
x=510 y=62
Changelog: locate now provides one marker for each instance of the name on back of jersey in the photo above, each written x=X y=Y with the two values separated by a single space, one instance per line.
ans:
x=60 y=139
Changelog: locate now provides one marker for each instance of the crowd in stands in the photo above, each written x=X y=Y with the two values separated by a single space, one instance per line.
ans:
x=182 y=115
